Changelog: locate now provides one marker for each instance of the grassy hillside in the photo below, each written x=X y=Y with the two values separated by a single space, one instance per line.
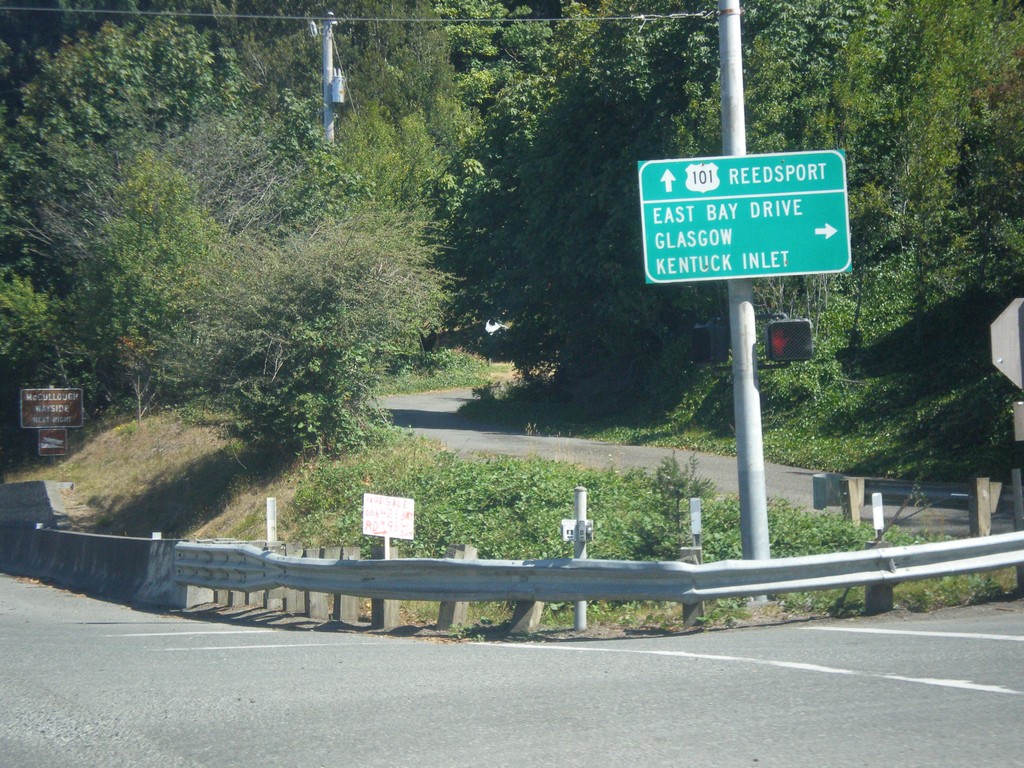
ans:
x=184 y=473
x=164 y=474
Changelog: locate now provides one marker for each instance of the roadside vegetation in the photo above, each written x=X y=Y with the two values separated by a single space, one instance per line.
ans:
x=175 y=232
x=439 y=369
x=188 y=477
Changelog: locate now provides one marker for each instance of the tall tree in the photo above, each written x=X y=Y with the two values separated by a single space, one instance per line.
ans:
x=93 y=101
x=140 y=266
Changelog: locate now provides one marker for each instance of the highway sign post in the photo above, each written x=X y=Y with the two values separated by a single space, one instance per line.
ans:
x=745 y=216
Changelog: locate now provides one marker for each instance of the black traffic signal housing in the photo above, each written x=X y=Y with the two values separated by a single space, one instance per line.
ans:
x=710 y=342
x=788 y=341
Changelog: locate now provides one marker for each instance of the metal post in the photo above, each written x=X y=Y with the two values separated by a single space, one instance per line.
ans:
x=271 y=520
x=747 y=405
x=327 y=41
x=1018 y=501
x=693 y=612
x=580 y=551
x=696 y=524
x=1018 y=517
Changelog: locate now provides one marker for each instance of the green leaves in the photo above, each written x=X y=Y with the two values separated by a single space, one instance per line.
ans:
x=296 y=333
x=511 y=509
x=157 y=76
x=140 y=266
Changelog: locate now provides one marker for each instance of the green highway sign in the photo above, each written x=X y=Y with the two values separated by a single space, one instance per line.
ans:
x=720 y=218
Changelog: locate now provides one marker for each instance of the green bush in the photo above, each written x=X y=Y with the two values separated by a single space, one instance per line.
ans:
x=511 y=509
x=296 y=334
x=438 y=369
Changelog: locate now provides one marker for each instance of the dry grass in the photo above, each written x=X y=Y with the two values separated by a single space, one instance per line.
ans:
x=163 y=475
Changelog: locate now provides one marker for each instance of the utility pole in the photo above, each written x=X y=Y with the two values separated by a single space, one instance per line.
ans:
x=746 y=396
x=327 y=43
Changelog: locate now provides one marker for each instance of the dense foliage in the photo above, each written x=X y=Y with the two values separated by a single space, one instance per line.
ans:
x=173 y=227
x=164 y=190
x=511 y=509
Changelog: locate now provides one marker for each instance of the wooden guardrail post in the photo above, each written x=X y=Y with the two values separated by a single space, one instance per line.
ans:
x=316 y=602
x=853 y=498
x=294 y=599
x=983 y=496
x=692 y=612
x=273 y=599
x=451 y=613
x=383 y=613
x=346 y=607
x=526 y=616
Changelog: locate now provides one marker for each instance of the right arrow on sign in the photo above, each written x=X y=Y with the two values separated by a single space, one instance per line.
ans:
x=828 y=230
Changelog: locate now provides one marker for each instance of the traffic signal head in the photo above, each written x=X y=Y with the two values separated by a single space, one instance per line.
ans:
x=787 y=341
x=710 y=342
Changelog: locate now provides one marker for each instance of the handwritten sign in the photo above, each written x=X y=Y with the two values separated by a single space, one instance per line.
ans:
x=388 y=516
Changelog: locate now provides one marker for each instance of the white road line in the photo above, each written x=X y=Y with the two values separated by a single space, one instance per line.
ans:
x=187 y=633
x=270 y=646
x=959 y=684
x=921 y=633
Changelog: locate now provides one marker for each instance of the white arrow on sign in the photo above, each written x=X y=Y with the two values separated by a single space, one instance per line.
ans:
x=828 y=230
x=667 y=178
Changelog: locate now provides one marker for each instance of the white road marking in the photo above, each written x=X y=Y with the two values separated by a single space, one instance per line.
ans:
x=197 y=632
x=959 y=684
x=921 y=633
x=270 y=646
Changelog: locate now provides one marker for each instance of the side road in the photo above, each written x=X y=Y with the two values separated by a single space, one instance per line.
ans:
x=433 y=415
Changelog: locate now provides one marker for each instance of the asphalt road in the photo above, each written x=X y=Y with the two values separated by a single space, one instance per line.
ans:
x=89 y=683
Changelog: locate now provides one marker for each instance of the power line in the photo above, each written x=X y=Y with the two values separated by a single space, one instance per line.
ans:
x=642 y=18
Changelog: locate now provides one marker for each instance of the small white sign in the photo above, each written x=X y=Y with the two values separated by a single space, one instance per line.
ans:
x=569 y=529
x=695 y=523
x=878 y=511
x=388 y=516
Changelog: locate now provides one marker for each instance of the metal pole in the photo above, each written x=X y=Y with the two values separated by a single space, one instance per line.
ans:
x=271 y=519
x=328 y=70
x=580 y=551
x=743 y=330
x=1018 y=517
x=1018 y=501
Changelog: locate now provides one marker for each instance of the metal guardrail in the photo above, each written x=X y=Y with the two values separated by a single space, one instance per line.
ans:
x=248 y=569
x=955 y=495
